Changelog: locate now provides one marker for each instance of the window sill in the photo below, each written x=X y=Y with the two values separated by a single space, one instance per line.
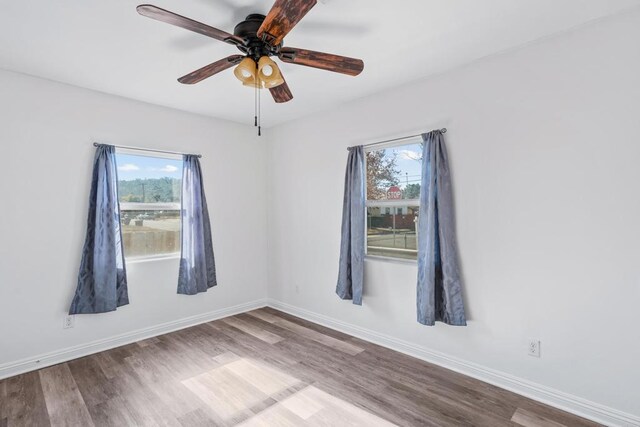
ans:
x=140 y=260
x=390 y=260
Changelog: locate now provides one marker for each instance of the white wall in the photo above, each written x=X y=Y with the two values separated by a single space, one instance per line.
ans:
x=544 y=144
x=46 y=136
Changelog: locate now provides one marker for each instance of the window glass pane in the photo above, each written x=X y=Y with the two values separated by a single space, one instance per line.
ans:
x=149 y=193
x=394 y=173
x=392 y=234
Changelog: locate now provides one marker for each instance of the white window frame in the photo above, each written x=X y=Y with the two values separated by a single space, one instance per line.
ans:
x=386 y=203
x=158 y=155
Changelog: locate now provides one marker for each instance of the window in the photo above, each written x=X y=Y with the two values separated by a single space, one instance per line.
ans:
x=393 y=199
x=149 y=194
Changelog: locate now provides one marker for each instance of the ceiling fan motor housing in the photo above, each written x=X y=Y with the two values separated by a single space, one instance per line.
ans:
x=254 y=46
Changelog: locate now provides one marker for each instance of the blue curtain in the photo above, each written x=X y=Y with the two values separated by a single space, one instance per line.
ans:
x=351 y=270
x=102 y=279
x=197 y=266
x=439 y=287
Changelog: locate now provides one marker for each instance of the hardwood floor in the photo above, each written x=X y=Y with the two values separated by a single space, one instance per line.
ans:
x=263 y=368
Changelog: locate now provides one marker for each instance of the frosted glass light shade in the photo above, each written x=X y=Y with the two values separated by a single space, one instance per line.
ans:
x=269 y=73
x=246 y=71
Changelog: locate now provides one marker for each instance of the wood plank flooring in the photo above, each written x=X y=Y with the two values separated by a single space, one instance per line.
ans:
x=262 y=368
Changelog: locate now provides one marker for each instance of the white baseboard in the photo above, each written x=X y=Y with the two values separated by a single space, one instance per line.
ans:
x=552 y=397
x=37 y=362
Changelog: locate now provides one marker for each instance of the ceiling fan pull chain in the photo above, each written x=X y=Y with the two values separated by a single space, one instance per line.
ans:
x=255 y=103
x=259 y=116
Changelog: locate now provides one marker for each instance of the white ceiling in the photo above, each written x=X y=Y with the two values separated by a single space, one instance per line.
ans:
x=107 y=46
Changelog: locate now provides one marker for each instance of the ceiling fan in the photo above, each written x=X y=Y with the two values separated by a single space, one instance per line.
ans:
x=259 y=37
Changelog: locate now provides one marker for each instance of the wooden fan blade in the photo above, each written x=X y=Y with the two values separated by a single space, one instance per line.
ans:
x=281 y=93
x=324 y=61
x=211 y=69
x=154 y=12
x=283 y=16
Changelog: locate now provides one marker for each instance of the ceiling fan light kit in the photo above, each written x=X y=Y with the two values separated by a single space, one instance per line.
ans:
x=264 y=74
x=259 y=37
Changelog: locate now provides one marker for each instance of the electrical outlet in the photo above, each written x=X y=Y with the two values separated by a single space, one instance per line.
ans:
x=534 y=348
x=68 y=322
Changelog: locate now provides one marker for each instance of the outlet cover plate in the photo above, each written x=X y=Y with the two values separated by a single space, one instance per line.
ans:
x=68 y=322
x=534 y=348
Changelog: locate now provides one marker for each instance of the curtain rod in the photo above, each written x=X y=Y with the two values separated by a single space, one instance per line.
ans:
x=95 y=144
x=373 y=144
